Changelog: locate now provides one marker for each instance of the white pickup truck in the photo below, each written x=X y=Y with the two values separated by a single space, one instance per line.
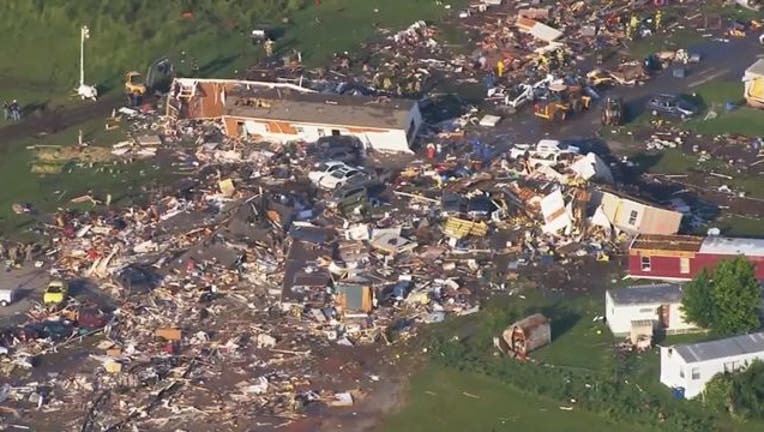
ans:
x=546 y=152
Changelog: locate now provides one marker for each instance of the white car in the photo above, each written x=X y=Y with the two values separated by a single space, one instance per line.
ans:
x=324 y=169
x=341 y=177
x=6 y=297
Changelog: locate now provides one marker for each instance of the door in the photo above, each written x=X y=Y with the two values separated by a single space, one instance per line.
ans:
x=664 y=315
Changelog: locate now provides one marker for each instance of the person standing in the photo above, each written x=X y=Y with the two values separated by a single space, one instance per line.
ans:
x=15 y=110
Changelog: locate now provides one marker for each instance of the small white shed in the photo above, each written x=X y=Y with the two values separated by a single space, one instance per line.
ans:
x=659 y=303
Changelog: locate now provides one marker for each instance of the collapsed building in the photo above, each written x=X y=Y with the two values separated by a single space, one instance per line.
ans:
x=283 y=112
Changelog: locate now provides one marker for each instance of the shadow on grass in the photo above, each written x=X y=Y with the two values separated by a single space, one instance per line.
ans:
x=563 y=319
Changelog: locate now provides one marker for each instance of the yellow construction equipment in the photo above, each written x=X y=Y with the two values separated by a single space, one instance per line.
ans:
x=134 y=84
x=562 y=101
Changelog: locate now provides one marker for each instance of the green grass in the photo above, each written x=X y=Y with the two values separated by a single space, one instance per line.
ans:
x=739 y=226
x=581 y=348
x=339 y=25
x=437 y=403
x=742 y=120
x=46 y=193
x=130 y=34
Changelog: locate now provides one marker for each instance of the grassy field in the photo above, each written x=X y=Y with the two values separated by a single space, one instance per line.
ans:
x=211 y=34
x=582 y=351
x=741 y=120
x=448 y=400
x=49 y=192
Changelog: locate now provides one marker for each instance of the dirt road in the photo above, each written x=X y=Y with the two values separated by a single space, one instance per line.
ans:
x=58 y=118
x=716 y=63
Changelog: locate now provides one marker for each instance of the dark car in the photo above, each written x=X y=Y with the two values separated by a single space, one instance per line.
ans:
x=475 y=207
x=342 y=148
x=612 y=111
x=671 y=105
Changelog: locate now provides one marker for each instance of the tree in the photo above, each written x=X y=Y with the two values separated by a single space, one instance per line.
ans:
x=727 y=300
x=697 y=303
x=739 y=393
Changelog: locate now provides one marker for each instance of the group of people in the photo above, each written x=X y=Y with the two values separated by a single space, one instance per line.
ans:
x=12 y=111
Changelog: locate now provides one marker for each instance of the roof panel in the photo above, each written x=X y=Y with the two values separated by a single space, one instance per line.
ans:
x=729 y=347
x=732 y=246
x=319 y=108
x=647 y=294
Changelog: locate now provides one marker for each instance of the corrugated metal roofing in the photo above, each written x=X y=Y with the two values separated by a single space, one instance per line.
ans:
x=647 y=294
x=732 y=246
x=729 y=347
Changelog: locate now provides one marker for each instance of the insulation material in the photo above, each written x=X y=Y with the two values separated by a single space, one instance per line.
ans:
x=592 y=167
x=557 y=217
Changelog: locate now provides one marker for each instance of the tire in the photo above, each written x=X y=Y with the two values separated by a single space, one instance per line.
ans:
x=3 y=303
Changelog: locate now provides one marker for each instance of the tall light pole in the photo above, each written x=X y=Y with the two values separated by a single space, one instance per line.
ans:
x=85 y=91
x=84 y=34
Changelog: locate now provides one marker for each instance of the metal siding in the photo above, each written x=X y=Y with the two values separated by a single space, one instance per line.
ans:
x=660 y=266
x=670 y=267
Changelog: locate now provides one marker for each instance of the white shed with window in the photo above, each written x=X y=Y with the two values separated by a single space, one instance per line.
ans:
x=659 y=303
x=689 y=367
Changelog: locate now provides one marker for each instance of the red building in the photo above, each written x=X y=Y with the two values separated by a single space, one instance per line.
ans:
x=675 y=257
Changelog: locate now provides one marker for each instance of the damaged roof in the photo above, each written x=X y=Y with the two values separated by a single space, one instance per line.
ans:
x=319 y=108
x=682 y=243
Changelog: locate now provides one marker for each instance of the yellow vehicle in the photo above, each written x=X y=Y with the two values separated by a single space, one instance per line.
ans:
x=562 y=101
x=551 y=110
x=56 y=292
x=134 y=84
x=600 y=77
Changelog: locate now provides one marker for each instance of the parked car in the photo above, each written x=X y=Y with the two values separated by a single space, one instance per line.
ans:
x=7 y=296
x=672 y=105
x=612 y=111
x=324 y=169
x=56 y=292
x=347 y=196
x=342 y=177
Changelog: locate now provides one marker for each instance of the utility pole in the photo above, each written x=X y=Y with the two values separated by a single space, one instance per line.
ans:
x=84 y=34
x=83 y=90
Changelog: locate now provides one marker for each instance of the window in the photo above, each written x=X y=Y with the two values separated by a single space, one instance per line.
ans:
x=335 y=132
x=684 y=265
x=299 y=129
x=695 y=373
x=633 y=217
x=645 y=261
x=646 y=310
x=681 y=372
x=321 y=133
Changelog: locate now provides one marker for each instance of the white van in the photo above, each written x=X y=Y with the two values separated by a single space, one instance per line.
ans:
x=6 y=297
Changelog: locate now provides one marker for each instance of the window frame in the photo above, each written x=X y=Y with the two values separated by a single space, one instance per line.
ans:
x=645 y=263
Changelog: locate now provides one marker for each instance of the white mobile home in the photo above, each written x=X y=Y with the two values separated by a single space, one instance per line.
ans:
x=658 y=303
x=689 y=367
